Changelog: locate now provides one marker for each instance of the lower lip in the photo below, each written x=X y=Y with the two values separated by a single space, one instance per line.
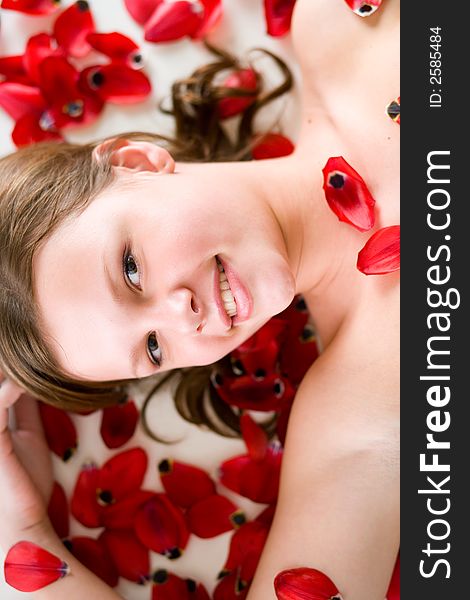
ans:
x=242 y=296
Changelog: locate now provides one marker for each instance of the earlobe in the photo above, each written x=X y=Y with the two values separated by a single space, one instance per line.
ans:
x=138 y=156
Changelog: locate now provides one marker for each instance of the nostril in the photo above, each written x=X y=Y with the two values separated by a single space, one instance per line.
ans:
x=194 y=308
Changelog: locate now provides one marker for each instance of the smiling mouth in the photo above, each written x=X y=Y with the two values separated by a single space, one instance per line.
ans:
x=228 y=299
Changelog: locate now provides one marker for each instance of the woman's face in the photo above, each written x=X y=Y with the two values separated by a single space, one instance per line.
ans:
x=132 y=285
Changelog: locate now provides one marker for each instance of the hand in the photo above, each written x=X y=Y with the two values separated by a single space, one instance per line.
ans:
x=26 y=476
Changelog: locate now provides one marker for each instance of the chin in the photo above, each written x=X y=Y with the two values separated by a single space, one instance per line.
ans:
x=278 y=290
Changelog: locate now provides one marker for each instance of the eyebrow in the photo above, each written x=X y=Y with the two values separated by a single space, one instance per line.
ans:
x=118 y=298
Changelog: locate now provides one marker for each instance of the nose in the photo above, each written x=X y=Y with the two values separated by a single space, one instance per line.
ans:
x=183 y=312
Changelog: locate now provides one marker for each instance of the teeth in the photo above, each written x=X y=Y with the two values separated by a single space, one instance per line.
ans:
x=226 y=293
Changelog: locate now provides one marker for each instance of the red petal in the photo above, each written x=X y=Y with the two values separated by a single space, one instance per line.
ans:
x=254 y=436
x=248 y=541
x=19 y=100
x=381 y=253
x=72 y=27
x=231 y=588
x=29 y=567
x=308 y=584
x=28 y=130
x=123 y=473
x=257 y=480
x=214 y=515
x=116 y=83
x=244 y=80
x=58 y=511
x=68 y=104
x=12 y=68
x=172 y=21
x=278 y=15
x=129 y=556
x=197 y=591
x=141 y=10
x=393 y=110
x=95 y=556
x=364 y=8
x=161 y=527
x=117 y=46
x=272 y=145
x=37 y=49
x=347 y=194
x=168 y=586
x=32 y=7
x=59 y=430
x=394 y=587
x=121 y=515
x=185 y=484
x=118 y=424
x=84 y=506
x=212 y=15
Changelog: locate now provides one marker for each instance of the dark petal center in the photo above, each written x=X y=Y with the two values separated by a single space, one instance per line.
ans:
x=365 y=8
x=82 y=5
x=337 y=181
x=160 y=576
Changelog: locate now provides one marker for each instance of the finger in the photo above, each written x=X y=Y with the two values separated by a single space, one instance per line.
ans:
x=27 y=414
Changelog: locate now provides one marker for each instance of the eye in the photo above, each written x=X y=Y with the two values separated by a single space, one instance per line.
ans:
x=131 y=269
x=154 y=349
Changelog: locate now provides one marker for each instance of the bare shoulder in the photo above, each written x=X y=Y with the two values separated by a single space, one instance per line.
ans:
x=330 y=35
x=349 y=398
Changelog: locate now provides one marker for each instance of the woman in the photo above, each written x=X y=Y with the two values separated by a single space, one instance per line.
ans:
x=120 y=297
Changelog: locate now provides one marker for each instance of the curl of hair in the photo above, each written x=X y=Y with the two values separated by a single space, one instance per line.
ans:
x=44 y=185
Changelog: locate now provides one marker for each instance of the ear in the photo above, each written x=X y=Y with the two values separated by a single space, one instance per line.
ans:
x=137 y=156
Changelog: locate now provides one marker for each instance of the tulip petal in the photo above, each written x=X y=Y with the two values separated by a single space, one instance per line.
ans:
x=129 y=556
x=117 y=46
x=172 y=21
x=278 y=15
x=116 y=82
x=29 y=567
x=72 y=27
x=272 y=145
x=381 y=253
x=257 y=480
x=121 y=515
x=214 y=515
x=185 y=484
x=37 y=49
x=196 y=590
x=254 y=436
x=161 y=527
x=231 y=587
x=245 y=85
x=60 y=432
x=246 y=546
x=19 y=100
x=347 y=194
x=123 y=473
x=32 y=7
x=58 y=511
x=118 y=424
x=211 y=17
x=95 y=556
x=141 y=10
x=168 y=586
x=305 y=583
x=12 y=68
x=364 y=8
x=83 y=505
x=393 y=110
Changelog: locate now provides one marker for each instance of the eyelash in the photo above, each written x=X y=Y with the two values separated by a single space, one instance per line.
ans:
x=126 y=255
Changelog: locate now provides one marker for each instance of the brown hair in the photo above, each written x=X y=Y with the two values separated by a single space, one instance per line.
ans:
x=44 y=184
